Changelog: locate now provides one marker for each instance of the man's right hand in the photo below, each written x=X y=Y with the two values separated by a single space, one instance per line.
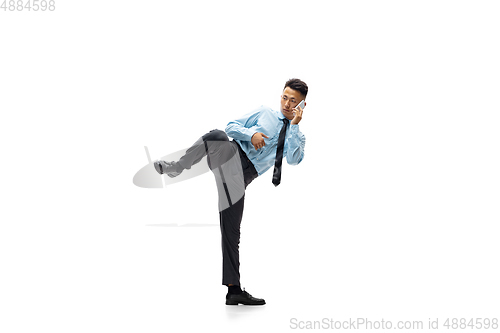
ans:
x=258 y=140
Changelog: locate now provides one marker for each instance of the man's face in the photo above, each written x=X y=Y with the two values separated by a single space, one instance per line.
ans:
x=290 y=99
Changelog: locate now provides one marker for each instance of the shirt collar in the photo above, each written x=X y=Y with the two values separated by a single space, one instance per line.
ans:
x=280 y=115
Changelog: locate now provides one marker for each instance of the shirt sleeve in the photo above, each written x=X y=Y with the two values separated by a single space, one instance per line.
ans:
x=296 y=146
x=245 y=127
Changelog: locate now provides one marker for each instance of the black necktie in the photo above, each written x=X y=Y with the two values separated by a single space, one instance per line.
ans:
x=279 y=154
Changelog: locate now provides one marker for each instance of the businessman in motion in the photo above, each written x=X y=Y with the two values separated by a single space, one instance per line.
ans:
x=260 y=140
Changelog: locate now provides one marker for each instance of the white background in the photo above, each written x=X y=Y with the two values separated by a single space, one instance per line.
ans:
x=393 y=214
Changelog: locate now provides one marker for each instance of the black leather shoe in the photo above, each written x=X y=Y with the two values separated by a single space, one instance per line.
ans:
x=243 y=298
x=166 y=167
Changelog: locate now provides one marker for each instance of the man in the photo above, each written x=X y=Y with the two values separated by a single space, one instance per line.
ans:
x=261 y=139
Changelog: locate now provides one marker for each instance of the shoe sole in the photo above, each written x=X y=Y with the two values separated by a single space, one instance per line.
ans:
x=229 y=302
x=158 y=168
x=173 y=174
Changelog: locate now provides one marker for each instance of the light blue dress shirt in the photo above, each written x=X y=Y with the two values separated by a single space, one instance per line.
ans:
x=269 y=122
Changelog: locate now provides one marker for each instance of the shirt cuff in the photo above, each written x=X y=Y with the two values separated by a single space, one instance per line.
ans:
x=249 y=132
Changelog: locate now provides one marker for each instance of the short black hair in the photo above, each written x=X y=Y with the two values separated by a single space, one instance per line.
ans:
x=298 y=85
